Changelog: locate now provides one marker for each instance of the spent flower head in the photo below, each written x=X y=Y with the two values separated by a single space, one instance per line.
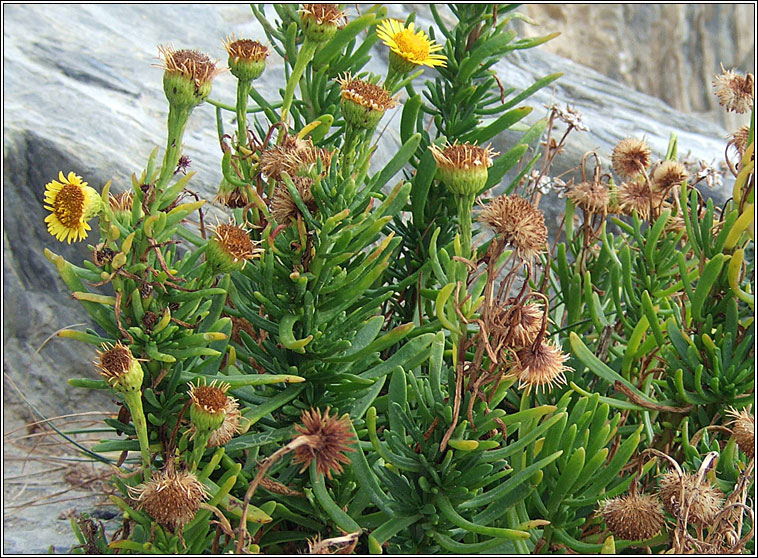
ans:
x=247 y=58
x=230 y=248
x=743 y=430
x=187 y=76
x=321 y=21
x=705 y=501
x=520 y=224
x=463 y=167
x=295 y=156
x=326 y=438
x=363 y=103
x=171 y=498
x=209 y=404
x=72 y=203
x=668 y=175
x=735 y=91
x=283 y=207
x=593 y=197
x=630 y=157
x=540 y=367
x=633 y=517
x=409 y=48
x=120 y=369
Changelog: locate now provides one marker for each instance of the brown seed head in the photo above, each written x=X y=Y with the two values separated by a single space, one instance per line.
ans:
x=520 y=324
x=172 y=499
x=739 y=139
x=593 y=197
x=236 y=242
x=743 y=430
x=327 y=439
x=630 y=157
x=520 y=223
x=120 y=369
x=735 y=92
x=668 y=175
x=283 y=207
x=230 y=427
x=189 y=63
x=294 y=156
x=635 y=195
x=705 y=500
x=245 y=49
x=210 y=398
x=540 y=367
x=633 y=517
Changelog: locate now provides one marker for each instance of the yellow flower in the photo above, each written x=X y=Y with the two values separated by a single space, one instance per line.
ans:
x=72 y=203
x=410 y=48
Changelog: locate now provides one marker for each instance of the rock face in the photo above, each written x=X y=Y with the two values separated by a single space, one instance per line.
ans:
x=670 y=51
x=81 y=95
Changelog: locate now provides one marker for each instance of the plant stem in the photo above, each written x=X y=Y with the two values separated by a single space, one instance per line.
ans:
x=134 y=403
x=198 y=447
x=177 y=121
x=243 y=89
x=303 y=57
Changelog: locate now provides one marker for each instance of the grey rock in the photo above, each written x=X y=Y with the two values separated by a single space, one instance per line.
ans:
x=82 y=95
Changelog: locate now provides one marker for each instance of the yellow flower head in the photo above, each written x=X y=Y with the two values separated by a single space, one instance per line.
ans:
x=411 y=48
x=72 y=204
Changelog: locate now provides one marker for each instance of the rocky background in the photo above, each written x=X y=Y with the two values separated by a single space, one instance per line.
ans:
x=82 y=94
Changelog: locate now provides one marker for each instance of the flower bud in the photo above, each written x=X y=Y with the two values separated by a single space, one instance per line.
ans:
x=209 y=403
x=462 y=168
x=321 y=21
x=187 y=76
x=247 y=58
x=363 y=104
x=229 y=248
x=121 y=370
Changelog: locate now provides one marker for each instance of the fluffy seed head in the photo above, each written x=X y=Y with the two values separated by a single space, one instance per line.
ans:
x=635 y=195
x=739 y=139
x=520 y=223
x=705 y=500
x=735 y=91
x=283 y=207
x=230 y=427
x=743 y=430
x=593 y=197
x=172 y=499
x=295 y=156
x=520 y=325
x=540 y=367
x=668 y=175
x=633 y=518
x=630 y=157
x=326 y=440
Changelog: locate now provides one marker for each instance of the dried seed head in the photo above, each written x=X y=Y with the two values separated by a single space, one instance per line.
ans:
x=593 y=197
x=72 y=203
x=739 y=139
x=363 y=103
x=230 y=427
x=321 y=21
x=735 y=91
x=668 y=175
x=120 y=369
x=523 y=324
x=209 y=404
x=540 y=367
x=705 y=500
x=229 y=249
x=633 y=517
x=635 y=195
x=283 y=207
x=520 y=223
x=630 y=157
x=187 y=76
x=230 y=195
x=247 y=58
x=172 y=499
x=295 y=156
x=463 y=167
x=743 y=430
x=326 y=440
x=241 y=324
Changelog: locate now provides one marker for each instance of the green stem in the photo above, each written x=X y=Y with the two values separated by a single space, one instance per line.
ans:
x=243 y=89
x=465 y=209
x=134 y=403
x=303 y=57
x=177 y=121
x=198 y=447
